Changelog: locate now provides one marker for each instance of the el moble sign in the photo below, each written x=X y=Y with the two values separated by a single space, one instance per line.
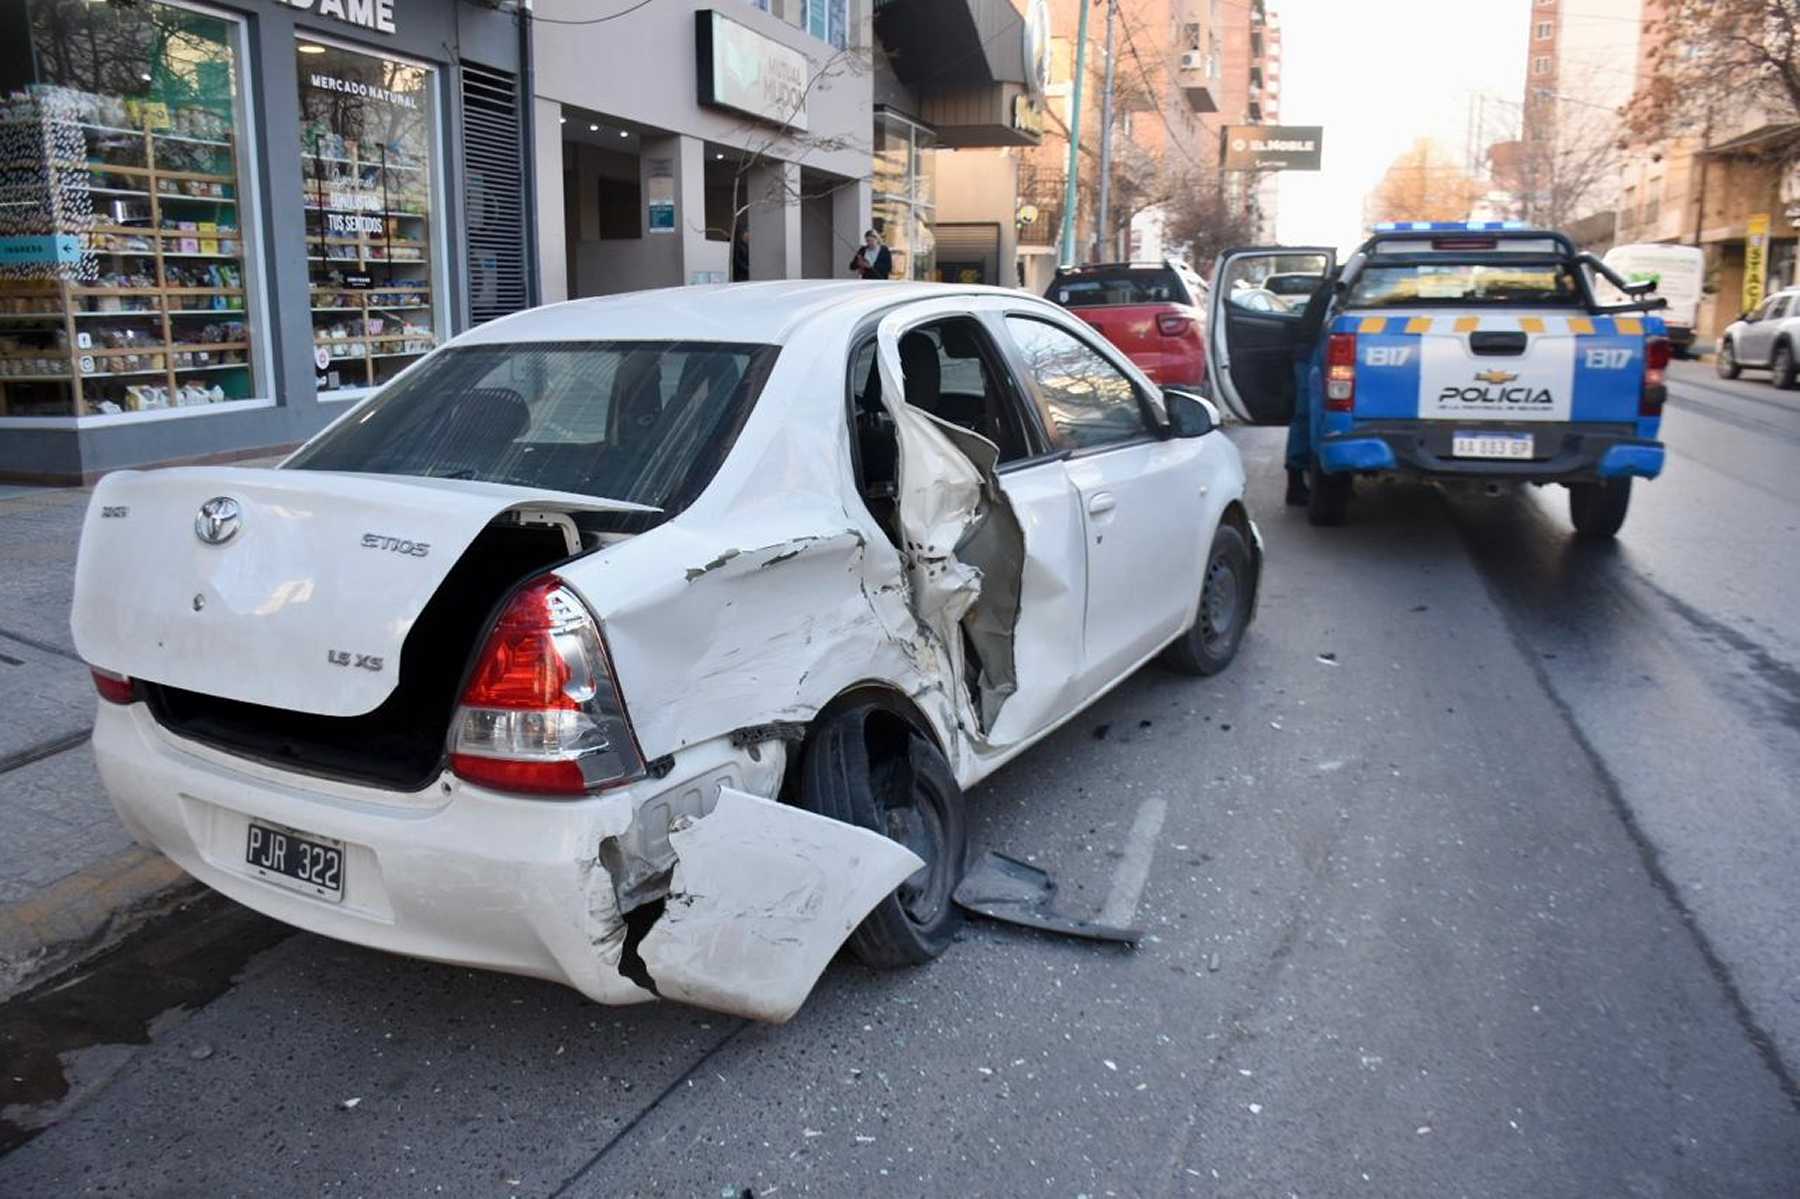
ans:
x=1270 y=147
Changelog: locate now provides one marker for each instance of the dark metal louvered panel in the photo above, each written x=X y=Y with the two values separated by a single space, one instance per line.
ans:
x=493 y=193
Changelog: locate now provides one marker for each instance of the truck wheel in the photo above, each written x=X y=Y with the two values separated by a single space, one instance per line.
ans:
x=1598 y=509
x=1781 y=367
x=1211 y=642
x=1726 y=363
x=1330 y=502
x=908 y=795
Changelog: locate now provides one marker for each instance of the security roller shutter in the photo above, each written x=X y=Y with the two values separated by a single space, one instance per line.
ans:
x=965 y=248
x=493 y=193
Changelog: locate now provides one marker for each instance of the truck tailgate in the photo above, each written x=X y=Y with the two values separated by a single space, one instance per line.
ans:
x=1500 y=366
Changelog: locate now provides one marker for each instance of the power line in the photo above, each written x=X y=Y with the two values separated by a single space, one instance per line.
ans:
x=611 y=16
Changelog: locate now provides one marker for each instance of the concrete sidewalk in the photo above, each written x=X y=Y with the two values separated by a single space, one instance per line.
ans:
x=71 y=880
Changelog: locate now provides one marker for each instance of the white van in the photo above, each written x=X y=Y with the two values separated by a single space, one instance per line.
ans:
x=1680 y=273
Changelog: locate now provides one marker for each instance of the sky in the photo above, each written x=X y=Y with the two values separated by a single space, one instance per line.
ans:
x=1378 y=74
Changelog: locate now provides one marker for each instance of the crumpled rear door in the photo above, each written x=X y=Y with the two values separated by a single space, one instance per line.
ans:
x=965 y=549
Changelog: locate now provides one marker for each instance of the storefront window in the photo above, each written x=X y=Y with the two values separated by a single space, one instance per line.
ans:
x=367 y=139
x=123 y=267
x=904 y=196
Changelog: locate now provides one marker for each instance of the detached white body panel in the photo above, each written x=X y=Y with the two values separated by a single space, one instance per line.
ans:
x=993 y=601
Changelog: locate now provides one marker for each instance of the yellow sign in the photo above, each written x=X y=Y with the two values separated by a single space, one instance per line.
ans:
x=1756 y=259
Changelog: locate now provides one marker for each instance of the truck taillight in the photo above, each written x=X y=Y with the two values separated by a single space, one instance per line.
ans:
x=1340 y=373
x=1657 y=353
x=542 y=712
x=1172 y=324
x=113 y=688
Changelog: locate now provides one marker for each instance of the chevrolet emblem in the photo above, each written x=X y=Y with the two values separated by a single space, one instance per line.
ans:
x=1495 y=377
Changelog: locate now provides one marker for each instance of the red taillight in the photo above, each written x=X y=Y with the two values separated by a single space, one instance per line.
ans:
x=542 y=712
x=1172 y=324
x=1464 y=243
x=113 y=688
x=1340 y=373
x=1657 y=353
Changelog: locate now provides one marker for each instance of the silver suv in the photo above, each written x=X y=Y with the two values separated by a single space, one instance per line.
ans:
x=1766 y=338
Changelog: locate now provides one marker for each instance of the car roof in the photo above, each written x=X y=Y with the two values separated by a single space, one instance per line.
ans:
x=1123 y=266
x=747 y=313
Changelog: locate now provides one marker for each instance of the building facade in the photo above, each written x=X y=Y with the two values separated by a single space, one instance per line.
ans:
x=1717 y=183
x=223 y=221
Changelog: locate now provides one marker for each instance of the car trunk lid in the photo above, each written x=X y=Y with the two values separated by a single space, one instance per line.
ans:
x=296 y=591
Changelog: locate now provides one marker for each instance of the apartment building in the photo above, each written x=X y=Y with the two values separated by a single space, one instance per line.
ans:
x=1713 y=184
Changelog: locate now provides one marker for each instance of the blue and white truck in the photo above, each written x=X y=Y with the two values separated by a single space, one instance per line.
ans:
x=1471 y=352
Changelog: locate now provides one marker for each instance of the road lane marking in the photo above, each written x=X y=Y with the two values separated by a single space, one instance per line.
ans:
x=1134 y=868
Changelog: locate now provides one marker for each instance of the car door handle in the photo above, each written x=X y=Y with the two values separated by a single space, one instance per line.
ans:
x=1103 y=502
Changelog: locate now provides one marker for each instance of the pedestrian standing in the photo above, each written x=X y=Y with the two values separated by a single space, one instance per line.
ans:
x=873 y=261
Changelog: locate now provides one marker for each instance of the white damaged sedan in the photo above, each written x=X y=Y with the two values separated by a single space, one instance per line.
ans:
x=649 y=643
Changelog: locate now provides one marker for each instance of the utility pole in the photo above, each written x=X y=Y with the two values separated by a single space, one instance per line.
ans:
x=1067 y=257
x=1106 y=239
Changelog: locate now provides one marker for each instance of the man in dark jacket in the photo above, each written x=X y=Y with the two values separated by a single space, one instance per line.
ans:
x=872 y=260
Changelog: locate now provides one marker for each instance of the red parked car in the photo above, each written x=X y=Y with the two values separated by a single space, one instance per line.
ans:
x=1154 y=312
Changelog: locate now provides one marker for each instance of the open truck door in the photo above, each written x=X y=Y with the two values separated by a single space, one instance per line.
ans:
x=1257 y=318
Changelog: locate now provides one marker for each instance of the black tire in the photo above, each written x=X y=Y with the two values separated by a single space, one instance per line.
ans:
x=1598 y=509
x=1781 y=367
x=910 y=796
x=1726 y=363
x=1330 y=502
x=1226 y=591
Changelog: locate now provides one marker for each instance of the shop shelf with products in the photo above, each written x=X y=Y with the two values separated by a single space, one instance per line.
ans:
x=368 y=229
x=150 y=204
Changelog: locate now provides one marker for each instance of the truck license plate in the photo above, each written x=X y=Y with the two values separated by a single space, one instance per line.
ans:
x=1492 y=445
x=299 y=862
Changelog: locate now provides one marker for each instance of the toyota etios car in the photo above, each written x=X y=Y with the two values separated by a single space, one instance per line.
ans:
x=648 y=643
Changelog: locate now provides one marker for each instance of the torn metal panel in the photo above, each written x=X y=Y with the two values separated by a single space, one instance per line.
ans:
x=964 y=546
x=762 y=896
x=640 y=859
x=1003 y=888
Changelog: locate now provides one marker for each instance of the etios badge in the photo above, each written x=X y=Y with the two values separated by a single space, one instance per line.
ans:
x=218 y=520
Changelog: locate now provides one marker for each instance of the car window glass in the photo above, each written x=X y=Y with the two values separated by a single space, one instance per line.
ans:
x=647 y=422
x=952 y=373
x=1778 y=309
x=1122 y=285
x=1086 y=400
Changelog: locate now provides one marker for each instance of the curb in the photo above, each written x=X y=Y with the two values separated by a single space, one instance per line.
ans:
x=85 y=913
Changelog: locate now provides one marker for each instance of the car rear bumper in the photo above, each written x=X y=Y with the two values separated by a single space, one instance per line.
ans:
x=453 y=874
x=1569 y=452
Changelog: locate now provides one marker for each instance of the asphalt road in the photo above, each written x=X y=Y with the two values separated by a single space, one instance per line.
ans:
x=1473 y=876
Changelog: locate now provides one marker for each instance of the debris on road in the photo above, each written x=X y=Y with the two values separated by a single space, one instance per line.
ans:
x=350 y=1104
x=1006 y=889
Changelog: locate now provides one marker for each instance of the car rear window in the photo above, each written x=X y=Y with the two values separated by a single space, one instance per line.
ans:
x=1464 y=284
x=647 y=422
x=1147 y=285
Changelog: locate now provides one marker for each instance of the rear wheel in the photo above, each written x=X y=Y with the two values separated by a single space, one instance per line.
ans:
x=1329 y=503
x=1781 y=367
x=1212 y=641
x=1727 y=363
x=1598 y=509
x=907 y=793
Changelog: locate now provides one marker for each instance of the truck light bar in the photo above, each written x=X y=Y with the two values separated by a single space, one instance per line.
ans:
x=1446 y=226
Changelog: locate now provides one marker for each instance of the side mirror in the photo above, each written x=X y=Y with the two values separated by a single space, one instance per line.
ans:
x=1190 y=413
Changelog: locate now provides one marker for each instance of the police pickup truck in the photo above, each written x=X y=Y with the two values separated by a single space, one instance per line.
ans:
x=1472 y=352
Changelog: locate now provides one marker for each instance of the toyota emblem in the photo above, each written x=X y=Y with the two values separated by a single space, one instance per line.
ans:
x=218 y=520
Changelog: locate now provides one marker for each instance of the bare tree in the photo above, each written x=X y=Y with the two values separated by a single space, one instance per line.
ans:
x=1203 y=218
x=1709 y=56
x=1566 y=171
x=777 y=141
x=1425 y=183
